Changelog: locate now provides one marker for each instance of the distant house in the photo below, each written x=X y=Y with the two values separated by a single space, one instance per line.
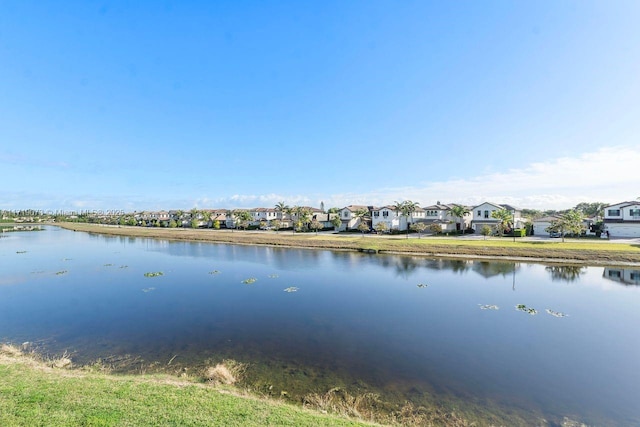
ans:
x=348 y=216
x=182 y=218
x=388 y=216
x=394 y=219
x=482 y=215
x=263 y=214
x=162 y=217
x=540 y=225
x=441 y=214
x=622 y=219
x=219 y=215
x=324 y=219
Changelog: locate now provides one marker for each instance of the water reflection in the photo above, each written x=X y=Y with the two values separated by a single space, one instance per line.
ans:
x=624 y=276
x=566 y=273
x=12 y=228
x=357 y=320
x=495 y=268
x=454 y=265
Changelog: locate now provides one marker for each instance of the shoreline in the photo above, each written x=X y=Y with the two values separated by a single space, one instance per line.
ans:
x=592 y=253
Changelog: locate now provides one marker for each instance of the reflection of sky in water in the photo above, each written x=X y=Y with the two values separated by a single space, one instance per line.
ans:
x=361 y=315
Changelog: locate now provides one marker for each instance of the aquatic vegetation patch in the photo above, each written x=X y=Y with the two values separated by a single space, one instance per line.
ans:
x=67 y=259
x=556 y=313
x=273 y=276
x=124 y=266
x=488 y=307
x=108 y=265
x=148 y=289
x=250 y=281
x=340 y=401
x=153 y=274
x=214 y=272
x=422 y=285
x=528 y=310
x=21 y=252
x=38 y=272
x=291 y=289
x=228 y=372
x=60 y=273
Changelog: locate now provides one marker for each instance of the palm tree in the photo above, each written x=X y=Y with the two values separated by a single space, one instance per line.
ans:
x=179 y=214
x=459 y=211
x=409 y=208
x=206 y=216
x=303 y=216
x=398 y=207
x=289 y=211
x=282 y=208
x=194 y=216
x=242 y=218
x=336 y=222
x=504 y=218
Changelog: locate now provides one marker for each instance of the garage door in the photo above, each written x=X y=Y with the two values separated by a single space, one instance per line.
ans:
x=624 y=231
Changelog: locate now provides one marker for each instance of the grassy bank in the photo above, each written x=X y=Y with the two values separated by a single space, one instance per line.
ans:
x=34 y=392
x=573 y=250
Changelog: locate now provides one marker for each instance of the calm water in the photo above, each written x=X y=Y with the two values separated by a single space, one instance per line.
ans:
x=357 y=321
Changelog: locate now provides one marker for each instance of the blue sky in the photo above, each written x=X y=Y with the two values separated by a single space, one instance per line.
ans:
x=174 y=105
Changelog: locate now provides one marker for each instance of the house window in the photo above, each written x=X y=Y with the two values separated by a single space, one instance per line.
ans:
x=634 y=275
x=634 y=213
x=613 y=212
x=385 y=214
x=376 y=214
x=345 y=214
x=479 y=213
x=486 y=214
x=615 y=273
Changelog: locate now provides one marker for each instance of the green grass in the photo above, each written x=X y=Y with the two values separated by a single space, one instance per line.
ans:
x=32 y=394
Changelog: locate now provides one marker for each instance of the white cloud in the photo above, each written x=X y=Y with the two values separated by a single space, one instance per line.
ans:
x=607 y=175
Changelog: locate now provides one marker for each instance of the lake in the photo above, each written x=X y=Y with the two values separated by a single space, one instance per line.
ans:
x=500 y=342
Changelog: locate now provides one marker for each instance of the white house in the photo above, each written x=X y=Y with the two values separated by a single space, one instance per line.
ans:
x=482 y=215
x=395 y=220
x=263 y=214
x=387 y=214
x=219 y=215
x=324 y=219
x=541 y=224
x=622 y=219
x=441 y=214
x=348 y=216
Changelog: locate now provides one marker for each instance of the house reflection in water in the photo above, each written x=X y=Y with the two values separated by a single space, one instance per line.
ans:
x=622 y=275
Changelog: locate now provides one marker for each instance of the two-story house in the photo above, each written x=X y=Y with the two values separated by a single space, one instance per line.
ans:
x=350 y=221
x=482 y=216
x=394 y=219
x=622 y=219
x=219 y=215
x=263 y=214
x=389 y=216
x=441 y=214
